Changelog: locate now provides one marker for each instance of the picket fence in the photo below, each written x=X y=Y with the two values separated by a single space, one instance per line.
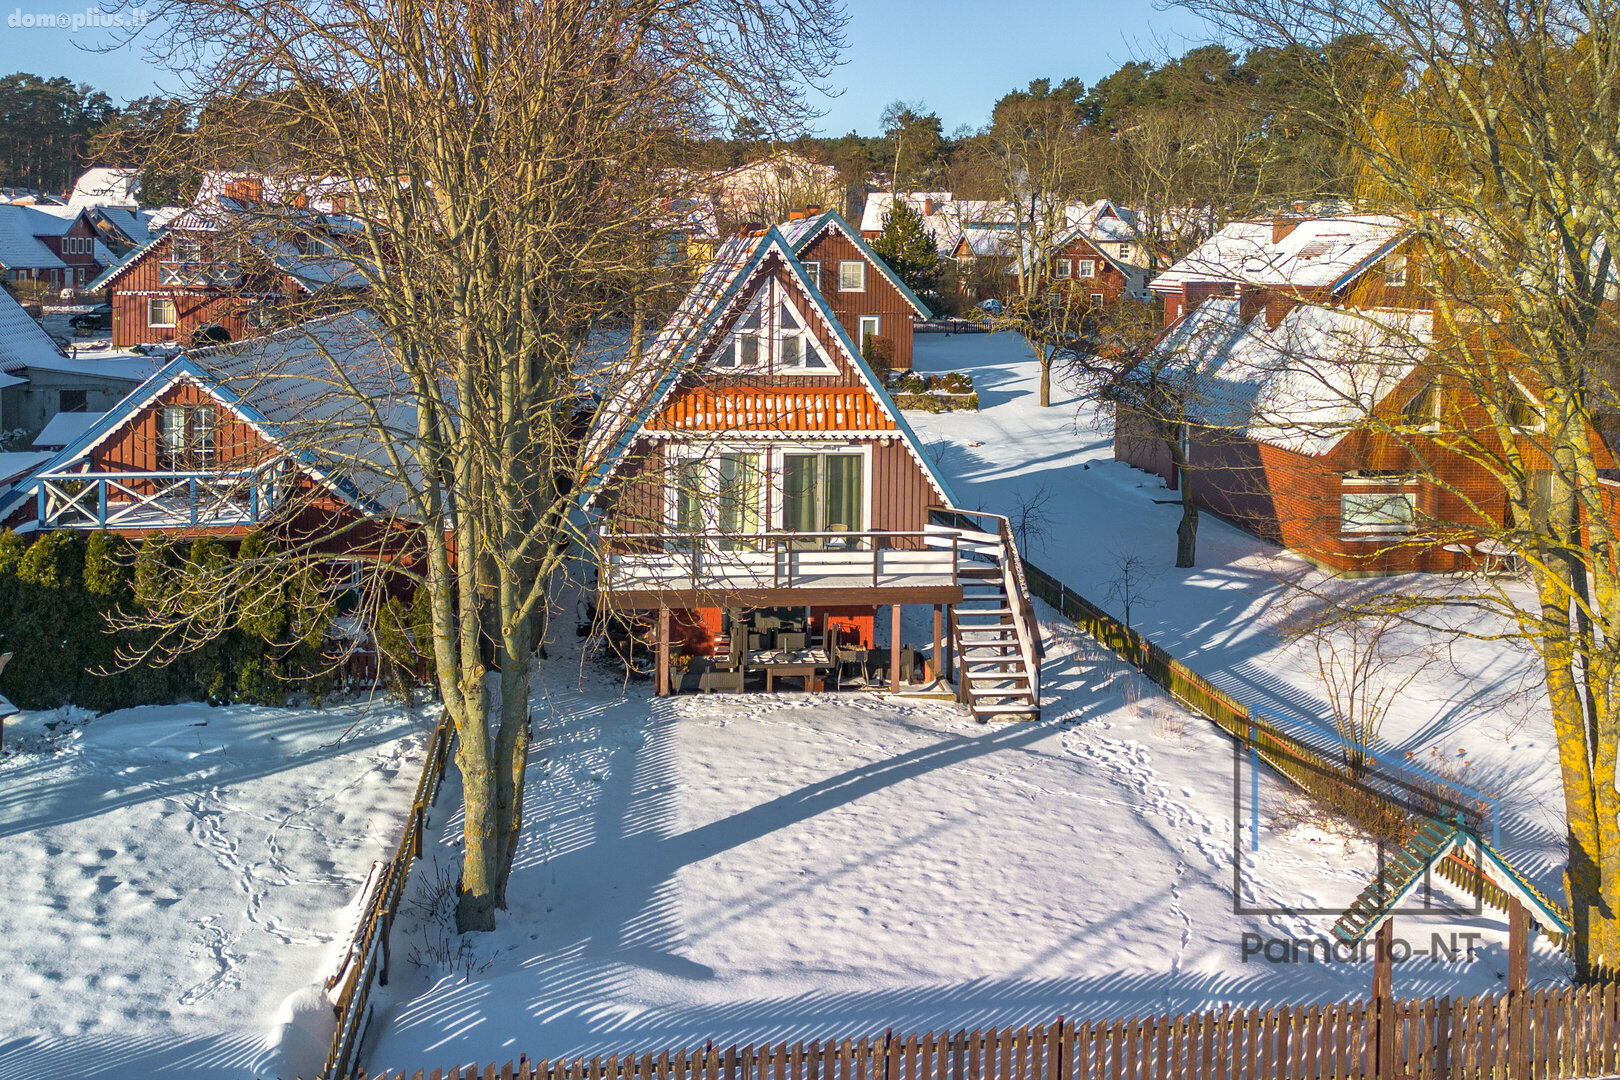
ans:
x=367 y=958
x=1531 y=1035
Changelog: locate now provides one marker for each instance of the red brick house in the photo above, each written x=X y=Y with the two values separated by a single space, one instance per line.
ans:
x=754 y=461
x=870 y=300
x=1289 y=337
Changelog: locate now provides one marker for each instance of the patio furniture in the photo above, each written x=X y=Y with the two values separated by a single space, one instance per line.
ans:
x=803 y=664
x=792 y=642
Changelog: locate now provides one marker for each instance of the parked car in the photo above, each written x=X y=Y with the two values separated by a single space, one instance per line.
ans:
x=97 y=318
x=991 y=306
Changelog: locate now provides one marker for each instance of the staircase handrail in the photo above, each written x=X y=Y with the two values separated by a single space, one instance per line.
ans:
x=1012 y=572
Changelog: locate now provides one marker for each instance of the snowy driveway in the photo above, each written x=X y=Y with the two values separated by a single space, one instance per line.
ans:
x=172 y=874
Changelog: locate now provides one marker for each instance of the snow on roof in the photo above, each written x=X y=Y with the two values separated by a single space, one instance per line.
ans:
x=1303 y=385
x=23 y=342
x=17 y=464
x=20 y=228
x=1323 y=252
x=313 y=388
x=676 y=350
x=115 y=366
x=103 y=186
x=63 y=428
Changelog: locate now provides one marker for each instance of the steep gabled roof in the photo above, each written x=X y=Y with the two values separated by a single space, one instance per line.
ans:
x=705 y=312
x=1302 y=385
x=284 y=386
x=1328 y=252
x=802 y=233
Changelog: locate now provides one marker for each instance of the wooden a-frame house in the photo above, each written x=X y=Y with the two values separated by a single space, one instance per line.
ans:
x=753 y=460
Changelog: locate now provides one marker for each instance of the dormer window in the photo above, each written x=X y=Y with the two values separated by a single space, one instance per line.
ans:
x=1423 y=411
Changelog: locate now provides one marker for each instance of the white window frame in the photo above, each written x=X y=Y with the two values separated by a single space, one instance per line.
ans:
x=1125 y=251
x=1085 y=268
x=778 y=476
x=676 y=457
x=876 y=322
x=812 y=270
x=1098 y=299
x=1395 y=271
x=174 y=312
x=1366 y=491
x=845 y=264
x=812 y=362
x=1061 y=268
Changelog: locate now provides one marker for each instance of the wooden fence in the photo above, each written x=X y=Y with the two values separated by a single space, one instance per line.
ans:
x=366 y=961
x=1532 y=1035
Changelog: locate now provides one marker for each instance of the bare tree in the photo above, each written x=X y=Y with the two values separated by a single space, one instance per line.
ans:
x=506 y=166
x=1134 y=576
x=1493 y=129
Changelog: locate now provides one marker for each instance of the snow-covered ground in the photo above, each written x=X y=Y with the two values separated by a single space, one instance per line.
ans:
x=738 y=868
x=173 y=876
x=1478 y=707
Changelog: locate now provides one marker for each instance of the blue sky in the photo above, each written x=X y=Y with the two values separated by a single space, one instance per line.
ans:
x=957 y=56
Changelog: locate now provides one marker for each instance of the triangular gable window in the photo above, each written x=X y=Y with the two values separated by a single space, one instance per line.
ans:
x=772 y=336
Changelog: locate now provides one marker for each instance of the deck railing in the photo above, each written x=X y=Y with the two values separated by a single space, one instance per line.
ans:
x=100 y=500
x=719 y=561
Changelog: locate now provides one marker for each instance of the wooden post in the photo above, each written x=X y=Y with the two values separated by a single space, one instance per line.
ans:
x=1518 y=991
x=894 y=648
x=663 y=651
x=948 y=657
x=1384 y=1001
x=939 y=641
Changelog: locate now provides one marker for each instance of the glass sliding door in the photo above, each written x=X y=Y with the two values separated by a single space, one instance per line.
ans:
x=718 y=494
x=737 y=476
x=823 y=492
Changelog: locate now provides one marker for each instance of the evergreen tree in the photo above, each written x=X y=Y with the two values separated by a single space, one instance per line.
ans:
x=909 y=249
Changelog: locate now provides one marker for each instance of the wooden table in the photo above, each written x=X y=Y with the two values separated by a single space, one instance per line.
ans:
x=798 y=664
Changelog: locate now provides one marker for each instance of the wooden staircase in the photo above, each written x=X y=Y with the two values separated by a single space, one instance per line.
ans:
x=994 y=634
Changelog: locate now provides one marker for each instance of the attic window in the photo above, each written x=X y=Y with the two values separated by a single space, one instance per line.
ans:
x=790 y=321
x=1085 y=268
x=1424 y=409
x=1523 y=414
x=1395 y=271
x=852 y=276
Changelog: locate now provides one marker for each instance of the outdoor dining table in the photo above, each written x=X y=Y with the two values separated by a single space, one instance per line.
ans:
x=798 y=663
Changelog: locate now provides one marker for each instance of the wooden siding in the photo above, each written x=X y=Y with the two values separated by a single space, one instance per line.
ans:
x=195 y=307
x=772 y=409
x=134 y=447
x=880 y=297
x=1108 y=280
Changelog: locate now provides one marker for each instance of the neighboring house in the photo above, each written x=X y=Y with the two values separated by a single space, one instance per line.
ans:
x=205 y=274
x=873 y=305
x=37 y=381
x=1288 y=335
x=1100 y=259
x=53 y=247
x=757 y=462
x=1300 y=258
x=107 y=188
x=226 y=440
x=768 y=188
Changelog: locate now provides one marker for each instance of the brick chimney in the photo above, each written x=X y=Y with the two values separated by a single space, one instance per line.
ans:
x=812 y=210
x=1251 y=302
x=797 y=215
x=751 y=228
x=1282 y=225
x=929 y=206
x=1278 y=305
